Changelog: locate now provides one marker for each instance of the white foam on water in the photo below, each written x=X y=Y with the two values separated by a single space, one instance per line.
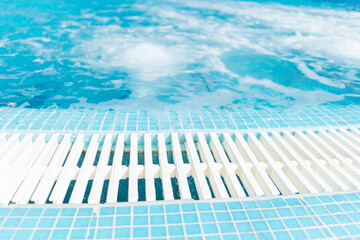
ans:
x=2 y=42
x=151 y=61
x=156 y=51
x=312 y=75
x=143 y=59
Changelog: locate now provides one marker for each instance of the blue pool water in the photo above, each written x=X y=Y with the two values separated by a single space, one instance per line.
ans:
x=135 y=55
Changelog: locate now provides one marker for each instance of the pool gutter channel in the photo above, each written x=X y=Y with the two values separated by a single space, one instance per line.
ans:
x=223 y=164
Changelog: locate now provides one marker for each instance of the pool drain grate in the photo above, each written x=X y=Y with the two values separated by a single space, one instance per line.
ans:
x=80 y=168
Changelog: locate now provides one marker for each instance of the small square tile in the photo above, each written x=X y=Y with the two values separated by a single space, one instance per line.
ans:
x=18 y=212
x=285 y=212
x=122 y=233
x=276 y=224
x=264 y=204
x=78 y=233
x=270 y=214
x=342 y=218
x=156 y=209
x=60 y=234
x=51 y=212
x=104 y=233
x=123 y=210
x=12 y=222
x=190 y=218
x=278 y=202
x=259 y=226
x=41 y=234
x=248 y=236
x=157 y=219
x=254 y=214
x=292 y=202
x=298 y=234
x=234 y=205
x=34 y=212
x=82 y=222
x=210 y=228
x=315 y=233
x=123 y=221
x=105 y=221
x=328 y=219
x=264 y=235
x=68 y=212
x=107 y=211
x=219 y=206
x=46 y=222
x=140 y=209
x=4 y=211
x=158 y=231
x=238 y=215
x=188 y=207
x=6 y=233
x=192 y=229
x=29 y=222
x=64 y=222
x=174 y=218
x=282 y=235
x=140 y=232
x=23 y=234
x=223 y=216
x=141 y=220
x=84 y=212
x=291 y=223
x=320 y=210
x=175 y=230
x=243 y=227
x=353 y=229
x=338 y=231
x=229 y=237
x=204 y=207
x=325 y=199
x=172 y=208
x=227 y=227
x=299 y=211
x=307 y=222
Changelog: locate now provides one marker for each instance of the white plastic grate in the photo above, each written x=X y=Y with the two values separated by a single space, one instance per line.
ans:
x=97 y=168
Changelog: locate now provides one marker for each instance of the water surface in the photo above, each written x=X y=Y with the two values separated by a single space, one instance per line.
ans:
x=179 y=55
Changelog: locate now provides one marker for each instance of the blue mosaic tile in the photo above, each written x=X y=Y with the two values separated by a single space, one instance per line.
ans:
x=210 y=228
x=78 y=233
x=41 y=234
x=174 y=218
x=123 y=221
x=60 y=234
x=226 y=219
x=175 y=230
x=157 y=219
x=188 y=207
x=104 y=233
x=123 y=210
x=141 y=232
x=122 y=233
x=99 y=120
x=23 y=234
x=192 y=229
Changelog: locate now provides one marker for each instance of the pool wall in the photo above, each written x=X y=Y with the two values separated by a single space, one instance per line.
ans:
x=98 y=120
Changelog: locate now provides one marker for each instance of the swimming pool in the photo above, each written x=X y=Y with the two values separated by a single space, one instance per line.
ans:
x=179 y=55
x=179 y=119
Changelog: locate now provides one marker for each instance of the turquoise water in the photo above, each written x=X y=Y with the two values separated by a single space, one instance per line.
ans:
x=179 y=55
